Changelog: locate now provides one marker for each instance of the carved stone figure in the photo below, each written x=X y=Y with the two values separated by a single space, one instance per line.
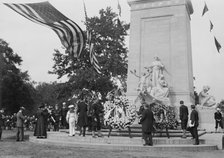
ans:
x=152 y=84
x=144 y=81
x=205 y=99
x=161 y=91
x=157 y=69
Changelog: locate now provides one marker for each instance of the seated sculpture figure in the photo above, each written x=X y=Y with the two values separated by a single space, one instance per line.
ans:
x=205 y=99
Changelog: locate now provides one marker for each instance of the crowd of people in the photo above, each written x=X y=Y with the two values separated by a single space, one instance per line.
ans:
x=87 y=114
x=84 y=114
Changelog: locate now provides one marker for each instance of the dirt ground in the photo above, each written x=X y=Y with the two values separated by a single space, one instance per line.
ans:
x=9 y=148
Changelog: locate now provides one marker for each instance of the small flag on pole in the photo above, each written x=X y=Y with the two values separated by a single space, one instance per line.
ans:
x=119 y=8
x=217 y=44
x=93 y=59
x=205 y=9
x=88 y=37
x=211 y=26
x=43 y=13
x=84 y=5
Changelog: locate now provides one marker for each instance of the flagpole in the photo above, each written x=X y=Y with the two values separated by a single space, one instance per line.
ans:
x=1 y=77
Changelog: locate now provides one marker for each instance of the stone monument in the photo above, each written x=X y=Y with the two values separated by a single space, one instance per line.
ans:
x=162 y=28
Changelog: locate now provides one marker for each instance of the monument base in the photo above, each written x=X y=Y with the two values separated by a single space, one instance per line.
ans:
x=206 y=118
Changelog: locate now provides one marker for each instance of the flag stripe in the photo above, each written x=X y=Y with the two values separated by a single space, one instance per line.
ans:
x=93 y=59
x=69 y=33
x=59 y=31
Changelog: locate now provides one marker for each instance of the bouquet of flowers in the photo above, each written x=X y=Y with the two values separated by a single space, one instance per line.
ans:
x=118 y=113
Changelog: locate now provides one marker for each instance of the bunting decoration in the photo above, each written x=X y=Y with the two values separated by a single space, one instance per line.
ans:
x=205 y=9
x=211 y=26
x=217 y=44
x=43 y=13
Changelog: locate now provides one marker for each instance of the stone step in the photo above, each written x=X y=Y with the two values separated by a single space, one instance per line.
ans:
x=138 y=133
x=119 y=140
x=122 y=143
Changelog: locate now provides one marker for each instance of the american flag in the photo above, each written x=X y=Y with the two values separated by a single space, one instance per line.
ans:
x=93 y=59
x=70 y=34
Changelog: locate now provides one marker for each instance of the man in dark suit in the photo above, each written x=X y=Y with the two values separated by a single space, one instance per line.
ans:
x=183 y=117
x=218 y=119
x=194 y=122
x=19 y=124
x=147 y=121
x=1 y=122
x=64 y=111
x=56 y=114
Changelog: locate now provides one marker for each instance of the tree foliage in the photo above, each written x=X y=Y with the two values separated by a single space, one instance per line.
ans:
x=16 y=89
x=108 y=35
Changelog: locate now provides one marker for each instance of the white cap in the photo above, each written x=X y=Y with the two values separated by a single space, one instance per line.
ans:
x=71 y=106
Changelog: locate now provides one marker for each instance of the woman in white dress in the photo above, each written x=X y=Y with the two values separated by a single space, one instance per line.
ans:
x=71 y=118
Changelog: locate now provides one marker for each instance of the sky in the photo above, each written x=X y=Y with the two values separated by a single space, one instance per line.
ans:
x=36 y=44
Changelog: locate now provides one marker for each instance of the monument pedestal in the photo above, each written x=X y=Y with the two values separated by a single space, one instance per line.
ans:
x=162 y=28
x=206 y=118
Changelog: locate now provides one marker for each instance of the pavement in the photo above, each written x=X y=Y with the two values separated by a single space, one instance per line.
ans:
x=9 y=148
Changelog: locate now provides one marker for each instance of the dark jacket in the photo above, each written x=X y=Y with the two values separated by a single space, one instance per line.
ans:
x=183 y=112
x=1 y=120
x=147 y=120
x=218 y=116
x=82 y=114
x=41 y=124
x=194 y=118
x=20 y=119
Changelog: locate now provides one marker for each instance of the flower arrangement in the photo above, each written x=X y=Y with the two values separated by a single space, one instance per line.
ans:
x=164 y=116
x=119 y=113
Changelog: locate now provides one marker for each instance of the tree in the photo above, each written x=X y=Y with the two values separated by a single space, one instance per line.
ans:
x=53 y=93
x=16 y=87
x=108 y=35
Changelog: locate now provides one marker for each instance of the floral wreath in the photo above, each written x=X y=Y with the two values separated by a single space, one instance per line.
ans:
x=118 y=113
x=164 y=116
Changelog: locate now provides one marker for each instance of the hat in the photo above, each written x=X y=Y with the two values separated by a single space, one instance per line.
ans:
x=193 y=106
x=42 y=106
x=218 y=109
x=181 y=102
x=71 y=106
x=22 y=108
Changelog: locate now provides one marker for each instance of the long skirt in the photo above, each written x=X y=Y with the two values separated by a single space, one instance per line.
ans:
x=71 y=127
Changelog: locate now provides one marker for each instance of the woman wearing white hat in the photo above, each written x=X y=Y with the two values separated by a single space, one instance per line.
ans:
x=71 y=118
